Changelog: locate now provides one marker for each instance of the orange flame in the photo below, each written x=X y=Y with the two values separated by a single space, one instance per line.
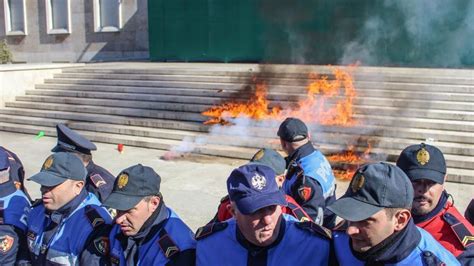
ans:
x=323 y=104
x=352 y=158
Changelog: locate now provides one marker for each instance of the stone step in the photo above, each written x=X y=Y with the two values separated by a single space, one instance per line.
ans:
x=43 y=117
x=455 y=175
x=465 y=126
x=361 y=92
x=200 y=104
x=242 y=86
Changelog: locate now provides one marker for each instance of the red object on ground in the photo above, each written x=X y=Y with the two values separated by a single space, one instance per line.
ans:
x=120 y=147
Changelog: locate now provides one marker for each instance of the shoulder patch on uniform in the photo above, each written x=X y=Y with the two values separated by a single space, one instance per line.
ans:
x=102 y=246
x=460 y=230
x=97 y=180
x=209 y=229
x=315 y=229
x=430 y=259
x=6 y=243
x=167 y=245
x=94 y=217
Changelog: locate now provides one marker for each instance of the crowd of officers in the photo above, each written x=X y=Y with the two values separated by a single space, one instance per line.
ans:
x=278 y=211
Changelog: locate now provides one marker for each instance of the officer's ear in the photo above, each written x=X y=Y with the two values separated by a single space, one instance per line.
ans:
x=77 y=187
x=154 y=202
x=402 y=217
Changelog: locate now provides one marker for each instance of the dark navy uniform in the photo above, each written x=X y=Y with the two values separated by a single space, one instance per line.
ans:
x=310 y=181
x=412 y=246
x=298 y=243
x=99 y=181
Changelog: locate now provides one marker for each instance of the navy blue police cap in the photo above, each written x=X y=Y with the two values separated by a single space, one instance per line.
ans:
x=4 y=162
x=292 y=130
x=252 y=187
x=58 y=168
x=132 y=185
x=270 y=158
x=68 y=140
x=374 y=187
x=423 y=161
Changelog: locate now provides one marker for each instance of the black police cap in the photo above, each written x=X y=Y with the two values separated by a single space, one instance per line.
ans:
x=69 y=140
x=292 y=130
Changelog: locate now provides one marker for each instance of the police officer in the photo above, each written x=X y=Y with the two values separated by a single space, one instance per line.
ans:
x=380 y=230
x=13 y=206
x=17 y=172
x=274 y=160
x=432 y=210
x=309 y=178
x=99 y=181
x=259 y=234
x=60 y=225
x=146 y=232
x=469 y=213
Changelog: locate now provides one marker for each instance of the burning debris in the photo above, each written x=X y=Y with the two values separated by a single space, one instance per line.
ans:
x=328 y=102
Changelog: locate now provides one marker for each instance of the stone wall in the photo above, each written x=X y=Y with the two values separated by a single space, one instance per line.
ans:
x=82 y=44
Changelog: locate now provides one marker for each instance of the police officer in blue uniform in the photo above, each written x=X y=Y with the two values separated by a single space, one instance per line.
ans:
x=99 y=181
x=61 y=224
x=258 y=233
x=309 y=178
x=17 y=172
x=146 y=231
x=13 y=206
x=380 y=229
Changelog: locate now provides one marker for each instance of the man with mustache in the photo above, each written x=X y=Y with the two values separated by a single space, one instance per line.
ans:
x=146 y=231
x=61 y=224
x=258 y=233
x=380 y=231
x=432 y=210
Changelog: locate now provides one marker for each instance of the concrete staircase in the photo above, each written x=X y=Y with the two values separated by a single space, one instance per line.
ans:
x=158 y=105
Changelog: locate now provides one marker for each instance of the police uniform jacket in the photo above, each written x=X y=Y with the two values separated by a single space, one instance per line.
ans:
x=449 y=228
x=310 y=181
x=163 y=240
x=298 y=243
x=58 y=238
x=17 y=172
x=411 y=246
x=13 y=208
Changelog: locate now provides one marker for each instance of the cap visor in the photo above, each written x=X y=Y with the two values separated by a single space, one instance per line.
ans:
x=435 y=176
x=250 y=205
x=121 y=202
x=47 y=179
x=353 y=210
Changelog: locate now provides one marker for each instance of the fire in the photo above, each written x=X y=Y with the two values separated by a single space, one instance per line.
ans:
x=351 y=160
x=327 y=102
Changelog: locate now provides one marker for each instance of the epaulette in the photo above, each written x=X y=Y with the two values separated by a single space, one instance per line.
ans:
x=36 y=202
x=315 y=229
x=430 y=259
x=167 y=245
x=209 y=229
x=93 y=216
x=460 y=230
x=341 y=226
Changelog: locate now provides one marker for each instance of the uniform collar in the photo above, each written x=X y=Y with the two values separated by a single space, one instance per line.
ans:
x=299 y=153
x=393 y=249
x=439 y=207
x=90 y=166
x=57 y=215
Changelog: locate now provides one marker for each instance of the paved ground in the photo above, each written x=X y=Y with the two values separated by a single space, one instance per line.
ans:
x=191 y=186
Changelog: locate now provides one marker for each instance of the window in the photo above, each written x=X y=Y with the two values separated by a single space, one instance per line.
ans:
x=58 y=16
x=107 y=15
x=15 y=17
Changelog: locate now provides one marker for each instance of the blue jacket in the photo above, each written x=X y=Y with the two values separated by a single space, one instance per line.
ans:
x=168 y=237
x=14 y=206
x=69 y=236
x=427 y=252
x=298 y=243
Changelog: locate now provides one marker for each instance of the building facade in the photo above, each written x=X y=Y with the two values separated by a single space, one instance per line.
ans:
x=75 y=30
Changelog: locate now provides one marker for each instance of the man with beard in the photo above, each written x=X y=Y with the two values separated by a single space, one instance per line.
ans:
x=432 y=210
x=380 y=231
x=309 y=178
x=259 y=234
